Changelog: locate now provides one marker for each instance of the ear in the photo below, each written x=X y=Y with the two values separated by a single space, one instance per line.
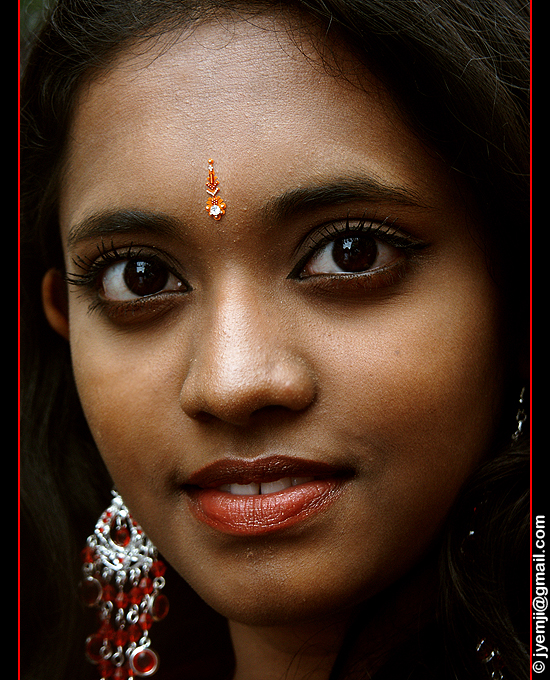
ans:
x=55 y=303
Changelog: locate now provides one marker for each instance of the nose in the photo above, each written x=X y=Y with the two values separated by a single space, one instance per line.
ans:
x=245 y=361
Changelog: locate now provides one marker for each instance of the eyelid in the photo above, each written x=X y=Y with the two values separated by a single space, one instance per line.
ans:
x=93 y=268
x=384 y=230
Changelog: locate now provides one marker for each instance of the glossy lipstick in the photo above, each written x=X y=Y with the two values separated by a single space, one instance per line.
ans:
x=229 y=495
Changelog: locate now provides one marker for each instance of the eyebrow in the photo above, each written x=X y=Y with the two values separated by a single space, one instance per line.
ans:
x=111 y=222
x=343 y=190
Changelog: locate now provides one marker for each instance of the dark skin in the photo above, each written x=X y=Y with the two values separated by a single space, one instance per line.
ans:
x=260 y=342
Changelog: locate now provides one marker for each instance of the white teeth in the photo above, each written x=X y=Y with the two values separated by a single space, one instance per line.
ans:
x=301 y=480
x=265 y=487
x=241 y=489
x=272 y=487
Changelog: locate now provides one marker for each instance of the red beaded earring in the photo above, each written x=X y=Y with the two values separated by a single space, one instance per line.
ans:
x=122 y=578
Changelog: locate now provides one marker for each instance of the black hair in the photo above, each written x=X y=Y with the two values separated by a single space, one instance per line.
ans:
x=460 y=70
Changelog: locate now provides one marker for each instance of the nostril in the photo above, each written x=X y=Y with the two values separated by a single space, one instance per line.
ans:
x=202 y=416
x=271 y=411
x=243 y=418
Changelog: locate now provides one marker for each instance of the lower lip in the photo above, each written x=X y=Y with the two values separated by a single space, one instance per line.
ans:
x=263 y=514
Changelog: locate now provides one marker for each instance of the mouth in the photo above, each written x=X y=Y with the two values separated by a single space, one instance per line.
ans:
x=243 y=497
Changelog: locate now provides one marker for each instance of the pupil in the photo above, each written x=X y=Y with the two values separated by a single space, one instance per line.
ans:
x=354 y=253
x=144 y=277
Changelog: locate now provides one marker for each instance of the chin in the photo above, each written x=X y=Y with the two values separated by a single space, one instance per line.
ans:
x=269 y=610
x=273 y=593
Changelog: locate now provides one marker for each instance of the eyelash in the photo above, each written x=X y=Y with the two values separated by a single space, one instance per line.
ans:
x=384 y=231
x=94 y=268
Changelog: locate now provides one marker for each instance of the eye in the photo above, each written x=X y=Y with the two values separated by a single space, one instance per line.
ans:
x=136 y=278
x=350 y=254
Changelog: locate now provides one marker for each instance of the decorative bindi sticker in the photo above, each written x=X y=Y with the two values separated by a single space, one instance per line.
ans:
x=215 y=205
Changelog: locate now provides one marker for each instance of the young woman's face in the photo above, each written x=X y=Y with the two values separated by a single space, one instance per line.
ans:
x=337 y=328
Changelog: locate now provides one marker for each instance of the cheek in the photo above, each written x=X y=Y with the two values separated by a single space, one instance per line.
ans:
x=419 y=387
x=130 y=401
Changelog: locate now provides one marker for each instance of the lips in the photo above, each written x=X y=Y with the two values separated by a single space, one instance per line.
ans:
x=255 y=497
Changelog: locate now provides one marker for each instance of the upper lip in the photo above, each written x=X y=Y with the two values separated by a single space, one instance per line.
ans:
x=270 y=469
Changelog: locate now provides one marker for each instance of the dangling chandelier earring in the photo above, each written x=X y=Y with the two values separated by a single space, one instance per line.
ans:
x=122 y=578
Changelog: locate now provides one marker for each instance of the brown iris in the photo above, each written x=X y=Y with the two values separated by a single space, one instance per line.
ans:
x=354 y=253
x=145 y=277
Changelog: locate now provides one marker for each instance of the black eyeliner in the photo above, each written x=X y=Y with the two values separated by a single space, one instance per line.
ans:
x=93 y=270
x=385 y=231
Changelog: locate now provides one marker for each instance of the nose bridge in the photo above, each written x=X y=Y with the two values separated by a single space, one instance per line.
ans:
x=238 y=339
x=245 y=358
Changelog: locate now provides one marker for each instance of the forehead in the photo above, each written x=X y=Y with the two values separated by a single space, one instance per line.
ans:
x=245 y=93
